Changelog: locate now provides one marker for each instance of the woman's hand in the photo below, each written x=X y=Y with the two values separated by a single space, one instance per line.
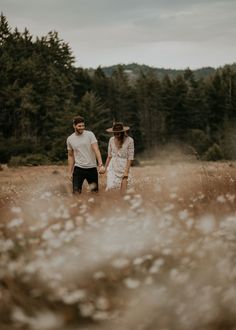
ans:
x=101 y=169
x=125 y=176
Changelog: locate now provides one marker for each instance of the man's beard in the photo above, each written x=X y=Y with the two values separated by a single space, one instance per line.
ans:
x=79 y=131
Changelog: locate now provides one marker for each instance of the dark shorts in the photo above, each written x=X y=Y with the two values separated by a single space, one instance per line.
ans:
x=81 y=174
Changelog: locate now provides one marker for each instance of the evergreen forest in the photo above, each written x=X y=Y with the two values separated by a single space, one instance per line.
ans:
x=41 y=90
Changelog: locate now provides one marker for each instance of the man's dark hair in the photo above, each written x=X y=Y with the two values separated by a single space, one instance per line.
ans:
x=78 y=120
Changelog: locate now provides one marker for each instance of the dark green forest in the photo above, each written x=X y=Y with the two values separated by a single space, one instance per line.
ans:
x=41 y=90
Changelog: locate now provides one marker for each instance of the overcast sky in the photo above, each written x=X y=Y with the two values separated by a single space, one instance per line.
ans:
x=161 y=33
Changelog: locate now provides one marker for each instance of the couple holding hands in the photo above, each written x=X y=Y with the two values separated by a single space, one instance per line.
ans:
x=85 y=161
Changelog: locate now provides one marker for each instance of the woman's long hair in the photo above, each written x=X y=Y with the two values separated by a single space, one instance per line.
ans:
x=120 y=139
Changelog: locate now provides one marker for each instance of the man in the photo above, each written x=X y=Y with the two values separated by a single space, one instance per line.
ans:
x=83 y=151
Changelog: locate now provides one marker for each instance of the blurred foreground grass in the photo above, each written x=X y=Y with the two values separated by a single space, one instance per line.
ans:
x=160 y=256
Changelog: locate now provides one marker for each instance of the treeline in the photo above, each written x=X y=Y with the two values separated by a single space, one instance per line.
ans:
x=135 y=69
x=41 y=90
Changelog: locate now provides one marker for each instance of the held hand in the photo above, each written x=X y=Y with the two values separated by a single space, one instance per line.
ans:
x=124 y=183
x=69 y=177
x=101 y=170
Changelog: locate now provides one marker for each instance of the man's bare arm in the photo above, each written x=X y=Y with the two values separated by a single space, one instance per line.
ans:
x=97 y=153
x=71 y=163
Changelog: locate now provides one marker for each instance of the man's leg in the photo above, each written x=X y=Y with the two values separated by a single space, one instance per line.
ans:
x=78 y=179
x=92 y=178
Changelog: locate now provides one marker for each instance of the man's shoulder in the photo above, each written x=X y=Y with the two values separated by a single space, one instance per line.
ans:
x=71 y=136
x=90 y=135
x=88 y=132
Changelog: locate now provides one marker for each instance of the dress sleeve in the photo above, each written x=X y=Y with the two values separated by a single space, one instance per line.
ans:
x=110 y=148
x=131 y=149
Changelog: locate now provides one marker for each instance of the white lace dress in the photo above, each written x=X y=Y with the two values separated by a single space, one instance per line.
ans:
x=119 y=158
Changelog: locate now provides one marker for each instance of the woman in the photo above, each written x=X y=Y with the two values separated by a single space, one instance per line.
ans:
x=119 y=158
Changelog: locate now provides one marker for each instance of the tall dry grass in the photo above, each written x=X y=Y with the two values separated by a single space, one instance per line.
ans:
x=161 y=256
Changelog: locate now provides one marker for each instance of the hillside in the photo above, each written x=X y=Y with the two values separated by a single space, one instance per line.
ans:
x=134 y=69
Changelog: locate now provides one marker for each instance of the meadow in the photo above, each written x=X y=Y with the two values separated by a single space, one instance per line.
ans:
x=159 y=257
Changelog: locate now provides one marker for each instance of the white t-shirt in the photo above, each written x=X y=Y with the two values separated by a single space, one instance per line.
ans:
x=83 y=152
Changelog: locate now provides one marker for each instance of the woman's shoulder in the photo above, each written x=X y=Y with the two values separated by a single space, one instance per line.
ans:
x=130 y=139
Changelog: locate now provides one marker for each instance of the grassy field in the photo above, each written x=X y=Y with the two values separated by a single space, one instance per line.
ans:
x=160 y=256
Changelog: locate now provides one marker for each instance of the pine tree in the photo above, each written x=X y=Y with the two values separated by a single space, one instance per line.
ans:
x=97 y=118
x=148 y=91
x=179 y=118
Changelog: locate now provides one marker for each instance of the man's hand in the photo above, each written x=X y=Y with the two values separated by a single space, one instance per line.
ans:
x=101 y=169
x=69 y=176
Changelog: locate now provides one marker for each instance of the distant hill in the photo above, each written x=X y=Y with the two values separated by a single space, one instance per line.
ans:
x=134 y=70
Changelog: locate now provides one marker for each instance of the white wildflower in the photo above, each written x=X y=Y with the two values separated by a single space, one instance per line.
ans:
x=43 y=216
x=130 y=191
x=15 y=223
x=79 y=220
x=206 y=224
x=83 y=208
x=201 y=195
x=19 y=316
x=20 y=236
x=99 y=275
x=33 y=228
x=156 y=266
x=56 y=226
x=221 y=199
x=86 y=309
x=102 y=303
x=131 y=283
x=189 y=223
x=230 y=197
x=39 y=253
x=46 y=320
x=173 y=273
x=168 y=207
x=69 y=225
x=136 y=202
x=45 y=195
x=99 y=316
x=183 y=215
x=31 y=268
x=58 y=261
x=75 y=296
x=54 y=243
x=229 y=223
x=120 y=263
x=127 y=197
x=47 y=234
x=167 y=251
x=173 y=195
x=148 y=280
x=16 y=209
x=6 y=245
x=65 y=214
x=138 y=261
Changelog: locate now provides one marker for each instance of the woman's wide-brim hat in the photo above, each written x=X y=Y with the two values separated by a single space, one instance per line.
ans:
x=117 y=128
